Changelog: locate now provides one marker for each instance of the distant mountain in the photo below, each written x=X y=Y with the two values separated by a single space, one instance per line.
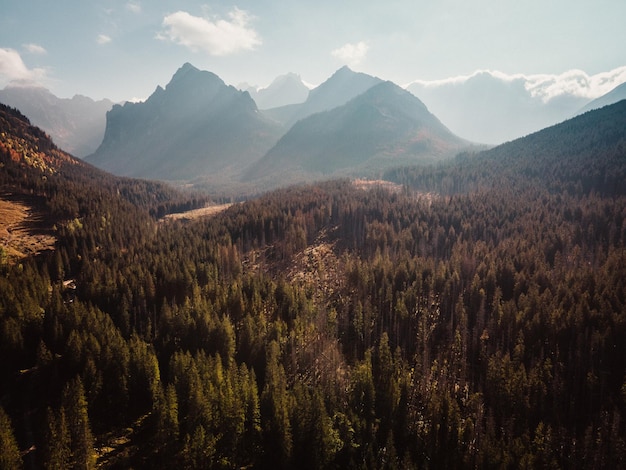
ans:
x=284 y=90
x=76 y=124
x=616 y=94
x=382 y=127
x=492 y=109
x=340 y=88
x=196 y=126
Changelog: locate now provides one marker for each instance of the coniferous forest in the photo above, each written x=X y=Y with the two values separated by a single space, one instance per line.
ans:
x=471 y=316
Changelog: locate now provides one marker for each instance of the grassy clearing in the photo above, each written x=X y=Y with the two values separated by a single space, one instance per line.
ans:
x=202 y=212
x=24 y=229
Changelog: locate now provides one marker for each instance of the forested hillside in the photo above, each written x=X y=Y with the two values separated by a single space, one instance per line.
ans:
x=475 y=323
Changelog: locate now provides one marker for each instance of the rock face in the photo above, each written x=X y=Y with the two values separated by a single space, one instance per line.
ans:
x=76 y=125
x=385 y=126
x=196 y=126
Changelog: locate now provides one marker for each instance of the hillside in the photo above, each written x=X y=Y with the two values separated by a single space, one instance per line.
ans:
x=76 y=125
x=385 y=126
x=336 y=325
x=196 y=126
x=585 y=153
x=43 y=188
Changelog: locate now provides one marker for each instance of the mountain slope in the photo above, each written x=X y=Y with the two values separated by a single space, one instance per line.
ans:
x=616 y=94
x=384 y=126
x=66 y=187
x=76 y=125
x=583 y=154
x=196 y=126
x=340 y=88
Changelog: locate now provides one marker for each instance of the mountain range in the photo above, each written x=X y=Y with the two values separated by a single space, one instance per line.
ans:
x=384 y=126
x=76 y=125
x=489 y=108
x=197 y=125
x=198 y=129
x=337 y=90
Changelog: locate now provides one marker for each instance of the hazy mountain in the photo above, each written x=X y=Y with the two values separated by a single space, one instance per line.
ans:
x=76 y=124
x=492 y=108
x=617 y=94
x=340 y=88
x=196 y=126
x=284 y=90
x=382 y=127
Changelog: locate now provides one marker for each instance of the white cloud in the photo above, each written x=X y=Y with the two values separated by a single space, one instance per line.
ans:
x=34 y=48
x=218 y=37
x=13 y=68
x=576 y=83
x=546 y=86
x=134 y=7
x=103 y=39
x=351 y=54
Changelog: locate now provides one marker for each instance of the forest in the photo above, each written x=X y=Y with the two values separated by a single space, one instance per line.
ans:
x=473 y=317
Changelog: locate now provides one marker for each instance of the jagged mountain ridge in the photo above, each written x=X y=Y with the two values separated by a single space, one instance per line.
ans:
x=76 y=125
x=340 y=88
x=283 y=91
x=196 y=125
x=382 y=127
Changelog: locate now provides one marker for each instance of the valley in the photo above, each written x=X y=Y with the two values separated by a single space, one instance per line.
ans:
x=466 y=312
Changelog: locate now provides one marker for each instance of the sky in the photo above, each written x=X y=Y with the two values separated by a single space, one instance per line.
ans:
x=123 y=49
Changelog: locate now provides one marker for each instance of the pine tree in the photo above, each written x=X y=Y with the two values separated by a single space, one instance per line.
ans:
x=275 y=409
x=9 y=452
x=57 y=451
x=82 y=445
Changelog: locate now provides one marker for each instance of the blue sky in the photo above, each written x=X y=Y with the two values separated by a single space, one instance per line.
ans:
x=121 y=49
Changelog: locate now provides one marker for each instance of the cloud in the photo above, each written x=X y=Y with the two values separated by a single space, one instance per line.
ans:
x=103 y=39
x=13 y=68
x=546 y=86
x=351 y=54
x=218 y=37
x=134 y=7
x=575 y=82
x=34 y=48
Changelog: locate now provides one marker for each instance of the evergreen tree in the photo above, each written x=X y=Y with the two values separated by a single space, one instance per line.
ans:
x=82 y=444
x=9 y=451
